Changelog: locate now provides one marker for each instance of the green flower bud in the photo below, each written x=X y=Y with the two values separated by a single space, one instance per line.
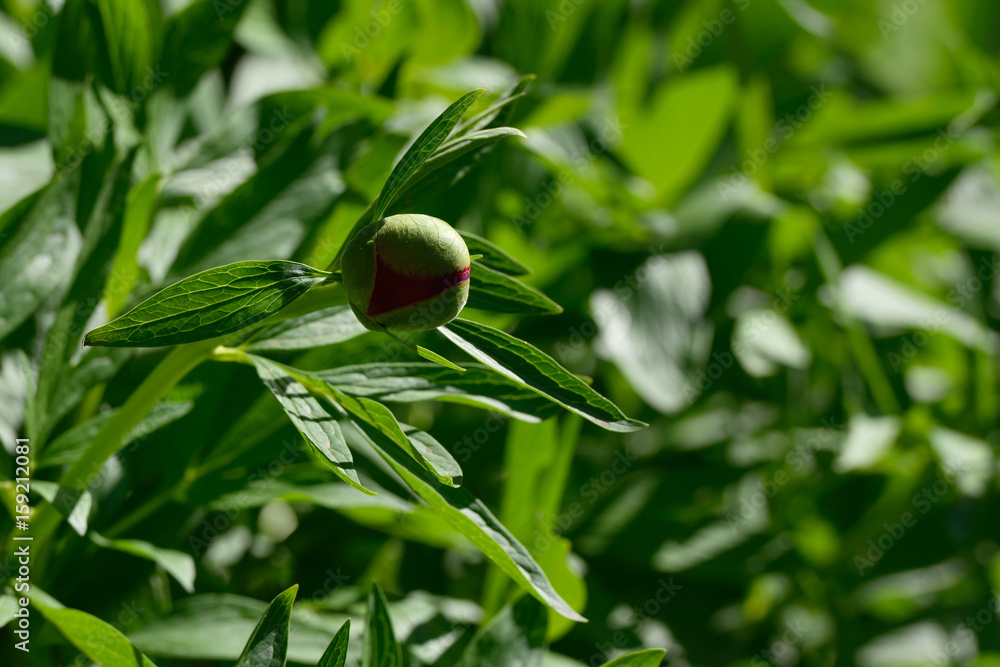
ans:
x=407 y=273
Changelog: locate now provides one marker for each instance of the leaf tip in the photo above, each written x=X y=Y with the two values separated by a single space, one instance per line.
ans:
x=632 y=425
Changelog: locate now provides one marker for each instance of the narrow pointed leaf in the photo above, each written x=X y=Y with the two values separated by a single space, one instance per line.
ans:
x=380 y=646
x=424 y=449
x=268 y=645
x=177 y=564
x=492 y=290
x=423 y=352
x=312 y=421
x=459 y=146
x=652 y=657
x=432 y=451
x=336 y=653
x=515 y=636
x=323 y=327
x=500 y=111
x=209 y=304
x=494 y=256
x=417 y=381
x=471 y=518
x=72 y=504
x=526 y=364
x=94 y=638
x=430 y=355
x=425 y=145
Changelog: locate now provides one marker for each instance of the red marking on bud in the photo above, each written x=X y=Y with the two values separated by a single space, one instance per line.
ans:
x=394 y=290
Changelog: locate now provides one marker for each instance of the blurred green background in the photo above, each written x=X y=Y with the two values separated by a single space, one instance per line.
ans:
x=773 y=226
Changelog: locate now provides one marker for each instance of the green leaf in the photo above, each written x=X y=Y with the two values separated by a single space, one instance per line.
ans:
x=492 y=290
x=515 y=636
x=209 y=304
x=494 y=256
x=68 y=447
x=39 y=256
x=178 y=565
x=268 y=644
x=425 y=146
x=423 y=448
x=458 y=147
x=336 y=653
x=537 y=461
x=379 y=643
x=442 y=463
x=500 y=112
x=198 y=39
x=334 y=496
x=470 y=517
x=411 y=382
x=130 y=33
x=8 y=605
x=74 y=505
x=215 y=627
x=686 y=121
x=323 y=327
x=652 y=657
x=264 y=217
x=423 y=352
x=312 y=421
x=140 y=206
x=97 y=640
x=526 y=364
x=430 y=355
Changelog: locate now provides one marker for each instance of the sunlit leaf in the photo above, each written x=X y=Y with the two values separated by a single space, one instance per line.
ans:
x=526 y=364
x=313 y=422
x=268 y=644
x=209 y=304
x=380 y=646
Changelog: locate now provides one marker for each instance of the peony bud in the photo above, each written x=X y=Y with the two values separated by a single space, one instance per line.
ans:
x=407 y=273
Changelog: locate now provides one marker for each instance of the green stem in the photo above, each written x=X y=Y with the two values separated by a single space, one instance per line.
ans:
x=861 y=344
x=109 y=440
x=985 y=394
x=157 y=384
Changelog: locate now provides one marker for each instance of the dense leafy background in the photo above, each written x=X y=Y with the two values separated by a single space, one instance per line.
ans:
x=772 y=226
